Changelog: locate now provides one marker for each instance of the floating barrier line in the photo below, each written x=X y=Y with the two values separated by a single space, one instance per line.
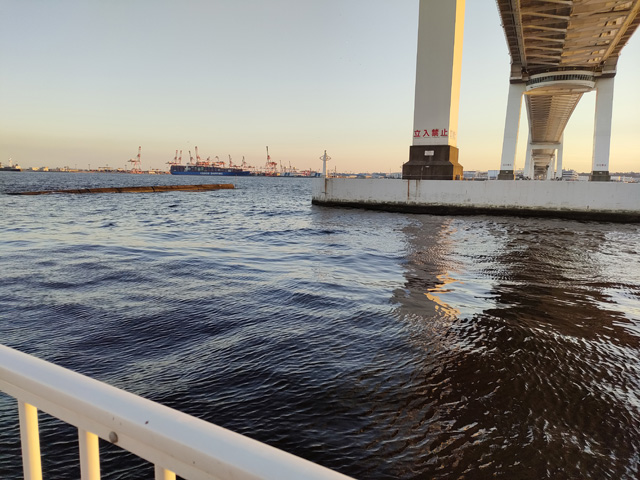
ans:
x=158 y=188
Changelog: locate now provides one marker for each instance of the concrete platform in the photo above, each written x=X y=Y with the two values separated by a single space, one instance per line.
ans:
x=600 y=201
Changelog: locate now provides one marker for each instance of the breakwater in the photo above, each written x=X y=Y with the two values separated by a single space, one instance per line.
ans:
x=143 y=189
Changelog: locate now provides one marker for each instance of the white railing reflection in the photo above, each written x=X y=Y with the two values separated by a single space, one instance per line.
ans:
x=176 y=443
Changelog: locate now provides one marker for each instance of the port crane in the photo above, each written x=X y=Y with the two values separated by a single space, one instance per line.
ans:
x=175 y=159
x=246 y=166
x=270 y=167
x=136 y=168
x=198 y=159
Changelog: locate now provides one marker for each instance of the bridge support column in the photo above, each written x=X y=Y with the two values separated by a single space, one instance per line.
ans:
x=559 y=158
x=551 y=170
x=434 y=152
x=528 y=167
x=511 y=126
x=602 y=130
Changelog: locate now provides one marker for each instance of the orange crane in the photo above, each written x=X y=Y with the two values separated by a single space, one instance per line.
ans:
x=198 y=159
x=175 y=160
x=136 y=162
x=270 y=167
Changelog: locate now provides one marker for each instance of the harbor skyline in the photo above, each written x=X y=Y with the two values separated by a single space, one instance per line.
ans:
x=85 y=83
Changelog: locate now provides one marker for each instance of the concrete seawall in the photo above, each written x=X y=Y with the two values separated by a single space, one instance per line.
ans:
x=602 y=201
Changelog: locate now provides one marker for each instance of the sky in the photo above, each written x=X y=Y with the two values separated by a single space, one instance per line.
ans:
x=83 y=83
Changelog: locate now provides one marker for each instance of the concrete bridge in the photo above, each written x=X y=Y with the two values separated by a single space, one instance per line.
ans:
x=560 y=49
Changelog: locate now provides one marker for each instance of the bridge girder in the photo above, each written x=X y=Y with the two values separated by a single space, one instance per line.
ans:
x=582 y=34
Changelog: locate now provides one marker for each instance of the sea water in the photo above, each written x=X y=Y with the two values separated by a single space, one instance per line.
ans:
x=381 y=345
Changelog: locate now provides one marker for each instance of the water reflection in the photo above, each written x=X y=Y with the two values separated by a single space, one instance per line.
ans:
x=442 y=308
x=545 y=374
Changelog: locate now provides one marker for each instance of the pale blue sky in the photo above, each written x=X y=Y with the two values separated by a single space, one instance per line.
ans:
x=86 y=82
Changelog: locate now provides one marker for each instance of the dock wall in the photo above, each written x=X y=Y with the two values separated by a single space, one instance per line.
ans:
x=602 y=201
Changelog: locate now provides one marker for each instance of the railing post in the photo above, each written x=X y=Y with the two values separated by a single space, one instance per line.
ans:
x=30 y=439
x=162 y=474
x=89 y=455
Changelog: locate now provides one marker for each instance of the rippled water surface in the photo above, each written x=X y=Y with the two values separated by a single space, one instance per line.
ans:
x=381 y=345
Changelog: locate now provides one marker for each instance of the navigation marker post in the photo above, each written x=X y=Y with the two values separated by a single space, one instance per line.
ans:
x=325 y=158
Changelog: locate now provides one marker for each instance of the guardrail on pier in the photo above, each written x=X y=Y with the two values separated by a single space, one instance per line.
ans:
x=176 y=443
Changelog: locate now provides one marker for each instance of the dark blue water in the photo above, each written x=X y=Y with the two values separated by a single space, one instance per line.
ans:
x=381 y=345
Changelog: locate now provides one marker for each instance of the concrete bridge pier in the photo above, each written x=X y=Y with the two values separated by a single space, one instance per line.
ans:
x=559 y=158
x=434 y=152
x=551 y=168
x=528 y=163
x=511 y=126
x=602 y=130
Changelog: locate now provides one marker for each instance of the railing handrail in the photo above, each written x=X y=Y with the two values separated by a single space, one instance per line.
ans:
x=172 y=440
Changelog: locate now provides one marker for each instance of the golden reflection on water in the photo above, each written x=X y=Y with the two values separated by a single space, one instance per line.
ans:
x=440 y=305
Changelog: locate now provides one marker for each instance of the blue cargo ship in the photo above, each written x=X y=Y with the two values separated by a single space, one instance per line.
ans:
x=207 y=170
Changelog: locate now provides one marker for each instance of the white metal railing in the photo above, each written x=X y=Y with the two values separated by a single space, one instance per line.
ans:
x=176 y=443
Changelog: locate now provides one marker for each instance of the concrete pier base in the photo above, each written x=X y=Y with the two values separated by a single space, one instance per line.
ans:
x=432 y=162
x=600 y=177
x=601 y=201
x=506 y=175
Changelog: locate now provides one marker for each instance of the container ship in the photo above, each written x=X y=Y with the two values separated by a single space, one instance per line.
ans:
x=207 y=167
x=207 y=170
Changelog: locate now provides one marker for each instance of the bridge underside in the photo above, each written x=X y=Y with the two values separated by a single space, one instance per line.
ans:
x=548 y=117
x=561 y=49
x=545 y=35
